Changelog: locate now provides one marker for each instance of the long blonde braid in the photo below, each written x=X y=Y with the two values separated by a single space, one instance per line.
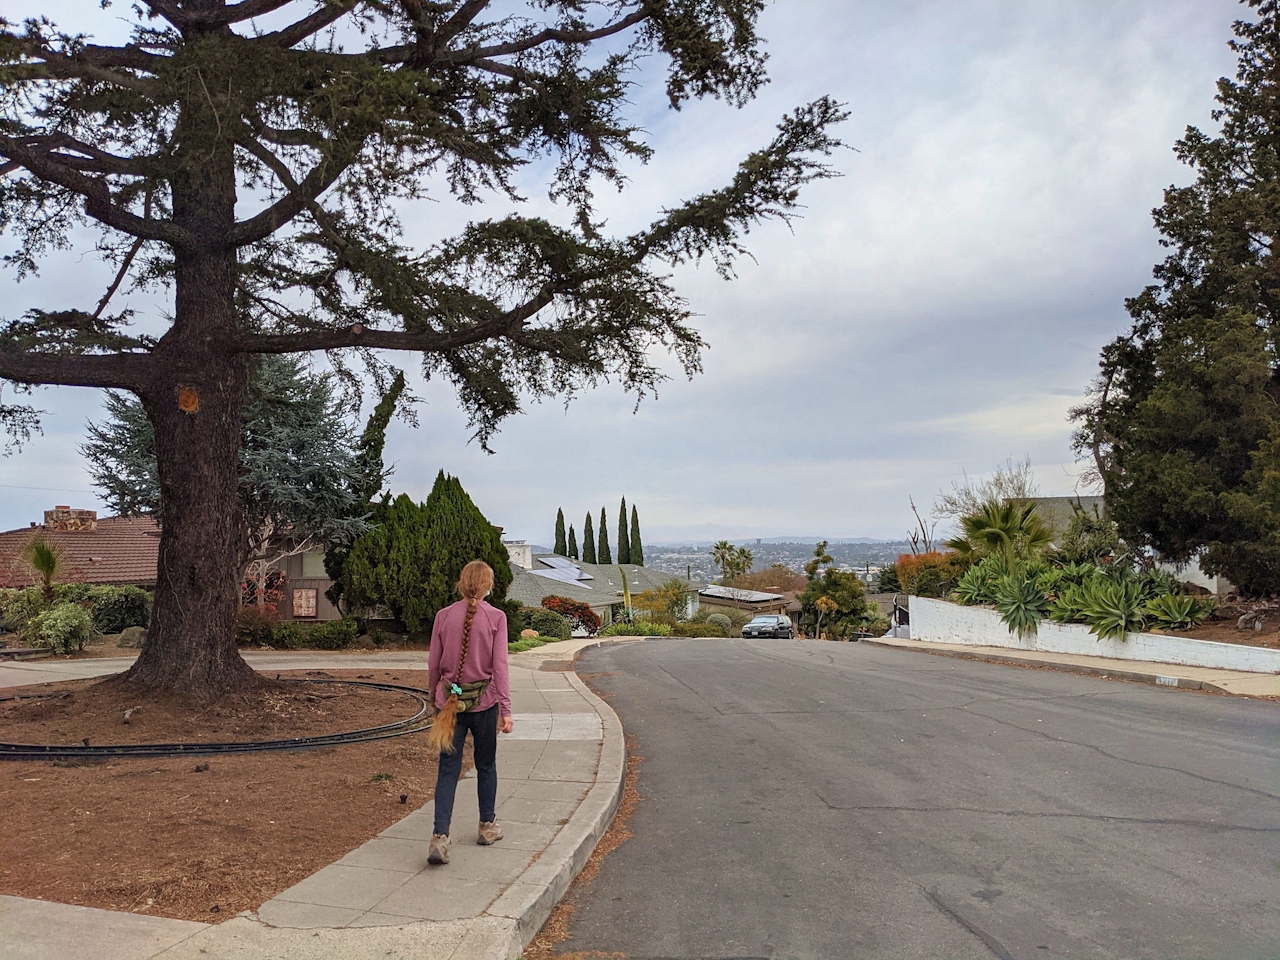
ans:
x=473 y=584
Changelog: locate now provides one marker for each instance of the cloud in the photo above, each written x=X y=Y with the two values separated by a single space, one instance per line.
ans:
x=936 y=310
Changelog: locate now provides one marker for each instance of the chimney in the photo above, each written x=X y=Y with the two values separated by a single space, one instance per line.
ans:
x=520 y=552
x=64 y=519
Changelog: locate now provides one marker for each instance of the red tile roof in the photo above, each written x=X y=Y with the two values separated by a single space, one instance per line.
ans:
x=122 y=550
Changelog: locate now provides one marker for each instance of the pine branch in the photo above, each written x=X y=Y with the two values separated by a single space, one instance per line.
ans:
x=97 y=195
x=357 y=335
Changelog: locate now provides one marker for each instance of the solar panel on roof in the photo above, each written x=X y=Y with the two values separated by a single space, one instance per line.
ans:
x=564 y=563
x=562 y=576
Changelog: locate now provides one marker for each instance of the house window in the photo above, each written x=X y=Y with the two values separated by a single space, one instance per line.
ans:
x=304 y=602
x=313 y=564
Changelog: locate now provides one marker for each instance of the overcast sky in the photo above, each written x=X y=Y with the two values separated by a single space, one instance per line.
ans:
x=937 y=310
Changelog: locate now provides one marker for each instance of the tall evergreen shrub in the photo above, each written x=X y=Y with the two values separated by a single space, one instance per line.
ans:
x=624 y=537
x=637 y=549
x=588 y=541
x=603 y=553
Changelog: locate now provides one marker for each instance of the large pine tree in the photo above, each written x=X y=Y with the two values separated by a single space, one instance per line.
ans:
x=248 y=162
x=1183 y=425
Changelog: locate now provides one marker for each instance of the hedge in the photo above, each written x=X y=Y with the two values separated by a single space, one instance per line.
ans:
x=707 y=629
x=548 y=623
x=255 y=629
x=641 y=628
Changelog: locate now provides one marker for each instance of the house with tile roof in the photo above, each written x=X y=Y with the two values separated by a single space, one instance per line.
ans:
x=118 y=551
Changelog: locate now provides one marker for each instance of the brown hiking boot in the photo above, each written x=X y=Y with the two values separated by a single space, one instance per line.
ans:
x=490 y=832
x=439 y=851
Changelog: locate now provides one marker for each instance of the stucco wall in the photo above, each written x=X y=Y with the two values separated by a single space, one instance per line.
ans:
x=943 y=622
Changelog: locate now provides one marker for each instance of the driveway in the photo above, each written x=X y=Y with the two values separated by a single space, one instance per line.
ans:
x=817 y=800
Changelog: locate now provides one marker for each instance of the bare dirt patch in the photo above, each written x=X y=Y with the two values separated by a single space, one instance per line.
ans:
x=1226 y=631
x=156 y=837
x=105 y=714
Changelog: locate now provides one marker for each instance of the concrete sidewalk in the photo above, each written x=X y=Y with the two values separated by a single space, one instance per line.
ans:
x=1234 y=682
x=560 y=778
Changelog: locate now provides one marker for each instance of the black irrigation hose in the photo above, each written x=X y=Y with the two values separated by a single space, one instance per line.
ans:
x=415 y=724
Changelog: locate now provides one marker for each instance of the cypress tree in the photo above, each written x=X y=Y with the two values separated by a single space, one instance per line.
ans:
x=588 y=541
x=624 y=538
x=386 y=565
x=456 y=533
x=573 y=544
x=410 y=563
x=602 y=547
x=637 y=549
x=561 y=548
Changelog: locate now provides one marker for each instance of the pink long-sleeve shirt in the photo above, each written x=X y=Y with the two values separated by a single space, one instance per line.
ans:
x=486 y=654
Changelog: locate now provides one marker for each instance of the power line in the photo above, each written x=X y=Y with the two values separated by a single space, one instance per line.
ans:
x=14 y=486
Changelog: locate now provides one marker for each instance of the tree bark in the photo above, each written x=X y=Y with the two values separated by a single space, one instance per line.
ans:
x=196 y=406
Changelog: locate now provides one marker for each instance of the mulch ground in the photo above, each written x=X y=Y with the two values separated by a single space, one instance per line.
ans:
x=157 y=837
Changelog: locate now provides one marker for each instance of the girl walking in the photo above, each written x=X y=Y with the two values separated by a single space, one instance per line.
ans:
x=470 y=686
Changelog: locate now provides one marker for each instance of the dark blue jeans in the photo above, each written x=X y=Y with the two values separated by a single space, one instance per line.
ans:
x=484 y=743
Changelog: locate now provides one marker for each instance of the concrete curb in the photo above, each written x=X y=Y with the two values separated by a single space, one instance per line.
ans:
x=534 y=894
x=1185 y=683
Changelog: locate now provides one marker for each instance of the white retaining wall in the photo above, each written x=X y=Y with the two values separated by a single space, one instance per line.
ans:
x=944 y=622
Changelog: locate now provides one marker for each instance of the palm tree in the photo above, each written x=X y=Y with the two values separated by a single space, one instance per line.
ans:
x=1009 y=527
x=723 y=553
x=45 y=557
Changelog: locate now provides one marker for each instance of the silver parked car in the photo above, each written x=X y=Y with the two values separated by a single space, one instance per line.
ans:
x=771 y=625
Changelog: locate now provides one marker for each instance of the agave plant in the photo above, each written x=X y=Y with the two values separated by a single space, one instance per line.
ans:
x=1174 y=611
x=1021 y=604
x=1113 y=608
x=1069 y=605
x=974 y=587
x=1076 y=573
x=1159 y=583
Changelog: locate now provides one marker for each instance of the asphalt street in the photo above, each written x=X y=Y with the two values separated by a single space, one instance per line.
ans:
x=802 y=799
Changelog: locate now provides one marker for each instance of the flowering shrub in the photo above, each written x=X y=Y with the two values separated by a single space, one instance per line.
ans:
x=575 y=611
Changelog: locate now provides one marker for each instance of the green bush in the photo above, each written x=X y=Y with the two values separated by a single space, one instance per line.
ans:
x=115 y=608
x=707 y=629
x=1178 y=611
x=721 y=621
x=548 y=623
x=64 y=627
x=321 y=635
x=253 y=627
x=1021 y=603
x=641 y=628
x=17 y=607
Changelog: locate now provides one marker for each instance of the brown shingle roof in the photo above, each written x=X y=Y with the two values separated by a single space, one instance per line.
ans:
x=122 y=550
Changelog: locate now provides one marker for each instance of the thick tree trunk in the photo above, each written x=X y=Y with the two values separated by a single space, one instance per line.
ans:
x=196 y=407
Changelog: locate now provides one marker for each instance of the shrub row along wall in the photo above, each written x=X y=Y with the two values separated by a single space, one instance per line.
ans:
x=942 y=622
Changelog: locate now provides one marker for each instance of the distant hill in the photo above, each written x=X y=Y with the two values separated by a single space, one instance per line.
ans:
x=747 y=541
